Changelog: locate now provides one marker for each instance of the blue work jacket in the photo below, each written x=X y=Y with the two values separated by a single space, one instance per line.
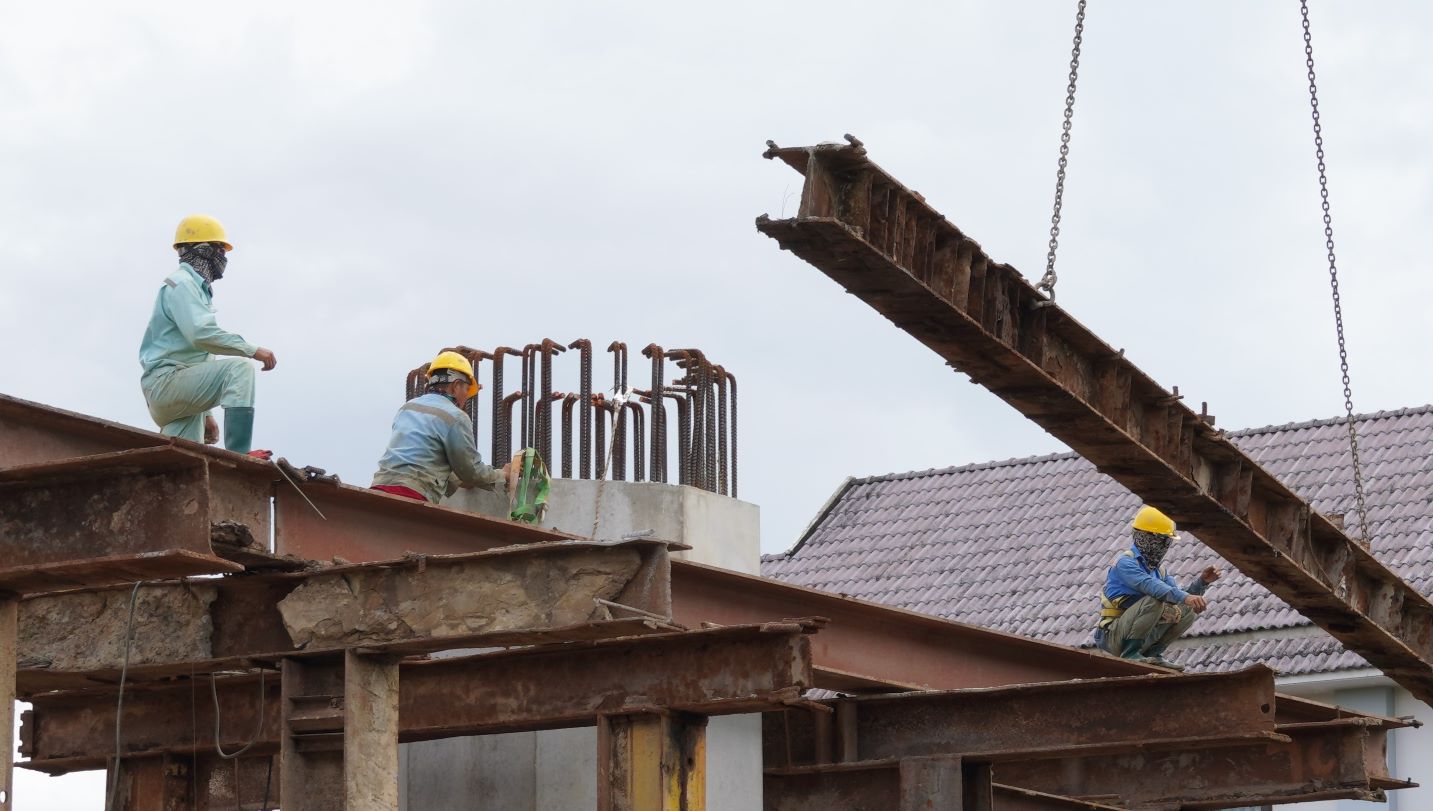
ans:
x=182 y=329
x=432 y=450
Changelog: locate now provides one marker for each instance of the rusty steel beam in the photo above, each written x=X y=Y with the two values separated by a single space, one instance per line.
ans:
x=714 y=672
x=886 y=245
x=871 y=647
x=129 y=515
x=539 y=593
x=866 y=647
x=910 y=784
x=1135 y=713
x=1010 y=798
x=1323 y=761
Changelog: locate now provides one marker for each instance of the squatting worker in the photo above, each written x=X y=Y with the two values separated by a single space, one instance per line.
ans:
x=1141 y=609
x=182 y=380
x=432 y=453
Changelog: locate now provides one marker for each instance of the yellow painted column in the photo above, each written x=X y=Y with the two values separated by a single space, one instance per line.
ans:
x=651 y=762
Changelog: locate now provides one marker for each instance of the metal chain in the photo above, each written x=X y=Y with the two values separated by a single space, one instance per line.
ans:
x=1047 y=282
x=1333 y=276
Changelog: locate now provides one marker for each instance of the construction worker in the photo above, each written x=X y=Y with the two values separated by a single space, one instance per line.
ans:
x=432 y=453
x=1141 y=609
x=181 y=379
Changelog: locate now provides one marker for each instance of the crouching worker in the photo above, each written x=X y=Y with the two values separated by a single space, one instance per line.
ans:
x=1141 y=609
x=182 y=380
x=432 y=453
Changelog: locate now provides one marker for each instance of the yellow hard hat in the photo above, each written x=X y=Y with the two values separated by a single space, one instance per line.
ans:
x=1151 y=520
x=200 y=228
x=458 y=363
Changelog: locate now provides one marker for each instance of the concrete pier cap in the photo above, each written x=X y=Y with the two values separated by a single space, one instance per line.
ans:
x=556 y=770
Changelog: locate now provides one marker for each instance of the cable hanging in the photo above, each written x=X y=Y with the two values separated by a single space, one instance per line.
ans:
x=1333 y=277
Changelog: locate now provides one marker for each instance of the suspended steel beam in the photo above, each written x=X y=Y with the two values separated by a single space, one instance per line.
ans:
x=1137 y=713
x=715 y=672
x=886 y=245
x=1324 y=761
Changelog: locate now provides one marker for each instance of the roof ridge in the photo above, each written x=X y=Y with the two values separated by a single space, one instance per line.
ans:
x=1340 y=420
x=966 y=468
x=1055 y=457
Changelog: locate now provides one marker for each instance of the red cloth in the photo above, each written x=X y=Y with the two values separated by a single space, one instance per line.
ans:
x=400 y=490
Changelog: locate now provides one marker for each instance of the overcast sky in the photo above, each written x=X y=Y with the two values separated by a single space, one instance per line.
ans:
x=411 y=175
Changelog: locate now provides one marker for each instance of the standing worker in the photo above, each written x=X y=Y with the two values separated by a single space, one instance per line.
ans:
x=432 y=453
x=182 y=380
x=1141 y=609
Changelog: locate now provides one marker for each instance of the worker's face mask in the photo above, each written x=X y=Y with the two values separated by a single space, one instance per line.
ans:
x=1152 y=546
x=207 y=258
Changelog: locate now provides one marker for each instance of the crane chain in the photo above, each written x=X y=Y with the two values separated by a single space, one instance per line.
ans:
x=1047 y=282
x=1333 y=277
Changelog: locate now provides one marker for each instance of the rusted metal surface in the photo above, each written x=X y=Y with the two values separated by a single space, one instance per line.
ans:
x=531 y=594
x=162 y=783
x=306 y=719
x=637 y=419
x=134 y=514
x=31 y=433
x=1010 y=798
x=651 y=762
x=1325 y=761
x=1134 y=713
x=870 y=647
x=886 y=245
x=714 y=672
x=911 y=784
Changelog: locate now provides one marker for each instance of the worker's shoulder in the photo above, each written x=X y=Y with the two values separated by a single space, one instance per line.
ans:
x=182 y=278
x=436 y=405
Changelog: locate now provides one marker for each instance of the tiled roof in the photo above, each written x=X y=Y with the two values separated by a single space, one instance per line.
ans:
x=1022 y=545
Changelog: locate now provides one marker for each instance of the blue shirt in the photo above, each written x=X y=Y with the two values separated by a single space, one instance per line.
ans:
x=432 y=450
x=182 y=329
x=1131 y=576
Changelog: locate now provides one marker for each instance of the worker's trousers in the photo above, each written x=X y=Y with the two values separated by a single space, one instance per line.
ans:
x=1153 y=622
x=180 y=396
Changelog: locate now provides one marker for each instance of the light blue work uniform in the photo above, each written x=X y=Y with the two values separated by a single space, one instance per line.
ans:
x=432 y=450
x=181 y=378
x=1133 y=587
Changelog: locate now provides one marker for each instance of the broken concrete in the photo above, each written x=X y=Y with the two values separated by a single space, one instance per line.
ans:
x=370 y=606
x=86 y=630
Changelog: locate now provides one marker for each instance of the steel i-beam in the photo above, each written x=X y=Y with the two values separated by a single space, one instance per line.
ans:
x=886 y=245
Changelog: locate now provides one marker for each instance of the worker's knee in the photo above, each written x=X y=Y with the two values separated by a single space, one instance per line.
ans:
x=238 y=383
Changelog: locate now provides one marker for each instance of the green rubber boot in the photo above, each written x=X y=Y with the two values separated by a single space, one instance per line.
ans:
x=239 y=429
x=1131 y=651
x=1156 y=657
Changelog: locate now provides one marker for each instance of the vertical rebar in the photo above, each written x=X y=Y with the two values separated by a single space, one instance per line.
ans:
x=548 y=348
x=568 y=401
x=720 y=374
x=619 y=441
x=502 y=420
x=684 y=433
x=507 y=407
x=529 y=383
x=639 y=449
x=659 y=413
x=584 y=402
x=599 y=409
x=731 y=383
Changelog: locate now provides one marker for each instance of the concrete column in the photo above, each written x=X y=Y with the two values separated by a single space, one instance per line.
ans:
x=370 y=732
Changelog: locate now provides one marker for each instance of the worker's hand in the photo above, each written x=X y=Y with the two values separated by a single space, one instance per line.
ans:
x=211 y=430
x=266 y=357
x=1210 y=574
x=1196 y=602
